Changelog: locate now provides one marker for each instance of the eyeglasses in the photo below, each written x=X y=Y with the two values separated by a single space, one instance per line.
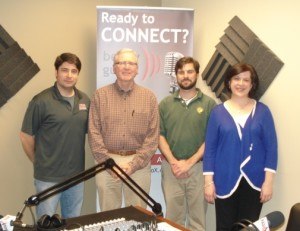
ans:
x=123 y=63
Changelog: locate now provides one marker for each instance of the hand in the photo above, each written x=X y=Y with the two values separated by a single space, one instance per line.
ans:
x=266 y=192
x=210 y=192
x=183 y=175
x=180 y=169
x=112 y=174
x=126 y=167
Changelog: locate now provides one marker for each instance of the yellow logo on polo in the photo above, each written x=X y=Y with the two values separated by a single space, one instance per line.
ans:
x=199 y=110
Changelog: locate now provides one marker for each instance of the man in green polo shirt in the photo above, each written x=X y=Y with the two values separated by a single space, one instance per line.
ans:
x=183 y=120
x=53 y=137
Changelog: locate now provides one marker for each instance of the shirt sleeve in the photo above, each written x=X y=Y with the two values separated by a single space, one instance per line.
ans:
x=94 y=131
x=270 y=141
x=161 y=119
x=33 y=118
x=150 y=144
x=211 y=142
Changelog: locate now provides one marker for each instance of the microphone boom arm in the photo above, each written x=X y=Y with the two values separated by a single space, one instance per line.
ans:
x=156 y=207
x=62 y=186
x=83 y=176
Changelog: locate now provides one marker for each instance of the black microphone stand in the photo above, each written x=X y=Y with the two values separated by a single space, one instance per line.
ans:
x=156 y=207
x=83 y=176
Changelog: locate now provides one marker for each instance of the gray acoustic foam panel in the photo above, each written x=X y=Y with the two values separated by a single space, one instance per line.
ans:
x=16 y=67
x=240 y=44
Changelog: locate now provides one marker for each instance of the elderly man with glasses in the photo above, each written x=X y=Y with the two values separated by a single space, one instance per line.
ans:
x=124 y=126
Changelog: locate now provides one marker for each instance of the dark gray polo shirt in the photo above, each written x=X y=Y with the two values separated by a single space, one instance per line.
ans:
x=59 y=133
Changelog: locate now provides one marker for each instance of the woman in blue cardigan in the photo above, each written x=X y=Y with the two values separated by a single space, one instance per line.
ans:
x=240 y=158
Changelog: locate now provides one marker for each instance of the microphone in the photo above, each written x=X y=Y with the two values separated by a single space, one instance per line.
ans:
x=270 y=221
x=0 y=223
x=6 y=223
x=171 y=59
x=16 y=221
x=20 y=224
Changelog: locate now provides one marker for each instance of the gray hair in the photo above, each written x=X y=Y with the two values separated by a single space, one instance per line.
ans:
x=126 y=50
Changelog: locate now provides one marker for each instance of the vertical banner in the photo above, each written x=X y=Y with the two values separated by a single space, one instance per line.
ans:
x=160 y=36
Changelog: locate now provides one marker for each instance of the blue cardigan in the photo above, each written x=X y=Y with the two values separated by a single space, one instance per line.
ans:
x=229 y=158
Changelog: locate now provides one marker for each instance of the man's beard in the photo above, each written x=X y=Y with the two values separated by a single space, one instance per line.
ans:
x=187 y=87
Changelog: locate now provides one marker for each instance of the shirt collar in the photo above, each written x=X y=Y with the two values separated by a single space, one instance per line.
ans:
x=121 y=91
x=59 y=96
x=199 y=94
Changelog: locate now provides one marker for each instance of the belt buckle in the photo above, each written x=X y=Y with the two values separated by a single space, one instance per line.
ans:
x=122 y=153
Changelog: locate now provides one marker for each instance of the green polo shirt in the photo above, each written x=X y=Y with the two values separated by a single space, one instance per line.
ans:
x=184 y=126
x=59 y=131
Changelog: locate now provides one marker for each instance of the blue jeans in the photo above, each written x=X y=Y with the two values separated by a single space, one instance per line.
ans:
x=70 y=200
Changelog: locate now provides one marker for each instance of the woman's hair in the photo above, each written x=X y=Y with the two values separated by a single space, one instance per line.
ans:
x=239 y=68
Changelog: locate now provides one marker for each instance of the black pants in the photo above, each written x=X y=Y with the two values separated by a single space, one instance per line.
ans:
x=244 y=203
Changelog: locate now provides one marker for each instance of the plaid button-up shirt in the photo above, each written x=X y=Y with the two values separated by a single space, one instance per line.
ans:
x=124 y=121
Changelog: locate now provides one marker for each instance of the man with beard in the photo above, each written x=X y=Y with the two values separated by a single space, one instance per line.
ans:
x=183 y=120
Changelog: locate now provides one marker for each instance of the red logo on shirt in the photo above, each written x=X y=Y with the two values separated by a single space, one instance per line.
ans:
x=82 y=107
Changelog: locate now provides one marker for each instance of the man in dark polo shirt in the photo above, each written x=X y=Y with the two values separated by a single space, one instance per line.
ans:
x=53 y=137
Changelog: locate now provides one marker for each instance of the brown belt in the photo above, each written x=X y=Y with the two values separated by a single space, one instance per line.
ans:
x=122 y=153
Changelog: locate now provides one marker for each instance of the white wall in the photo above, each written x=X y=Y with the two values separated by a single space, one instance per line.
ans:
x=276 y=23
x=46 y=28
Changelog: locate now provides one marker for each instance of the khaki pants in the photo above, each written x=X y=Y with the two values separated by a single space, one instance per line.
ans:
x=185 y=202
x=111 y=190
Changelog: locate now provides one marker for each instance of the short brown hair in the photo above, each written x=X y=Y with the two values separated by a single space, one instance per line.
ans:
x=239 y=68
x=67 y=57
x=185 y=60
